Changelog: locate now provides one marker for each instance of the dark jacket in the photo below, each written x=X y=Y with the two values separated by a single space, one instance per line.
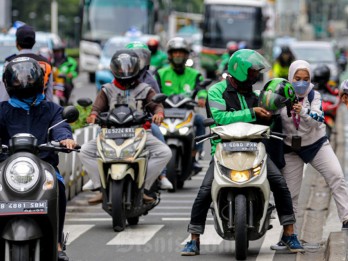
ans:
x=36 y=121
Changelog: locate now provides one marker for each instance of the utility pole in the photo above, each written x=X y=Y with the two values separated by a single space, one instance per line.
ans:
x=54 y=17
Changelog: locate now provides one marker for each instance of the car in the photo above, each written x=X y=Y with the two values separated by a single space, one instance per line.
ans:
x=103 y=74
x=317 y=52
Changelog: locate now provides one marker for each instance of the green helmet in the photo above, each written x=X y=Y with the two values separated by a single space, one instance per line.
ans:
x=276 y=94
x=243 y=60
x=143 y=51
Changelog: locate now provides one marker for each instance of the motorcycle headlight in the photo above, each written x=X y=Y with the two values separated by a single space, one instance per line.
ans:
x=22 y=174
x=130 y=150
x=49 y=183
x=240 y=176
x=108 y=151
x=184 y=130
x=163 y=130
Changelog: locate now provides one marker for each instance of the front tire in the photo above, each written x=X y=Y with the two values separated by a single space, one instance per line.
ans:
x=118 y=211
x=133 y=221
x=20 y=251
x=172 y=168
x=241 y=232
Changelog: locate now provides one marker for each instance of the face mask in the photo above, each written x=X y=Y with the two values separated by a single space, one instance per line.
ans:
x=178 y=60
x=300 y=87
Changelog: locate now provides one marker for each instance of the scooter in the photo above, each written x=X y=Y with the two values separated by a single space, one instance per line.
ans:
x=122 y=164
x=240 y=190
x=330 y=105
x=179 y=133
x=29 y=198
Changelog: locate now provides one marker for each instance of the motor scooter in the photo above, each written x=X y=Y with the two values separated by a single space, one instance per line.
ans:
x=29 y=198
x=122 y=163
x=240 y=190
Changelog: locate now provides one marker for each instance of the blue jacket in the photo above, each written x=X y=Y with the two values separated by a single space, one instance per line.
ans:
x=36 y=121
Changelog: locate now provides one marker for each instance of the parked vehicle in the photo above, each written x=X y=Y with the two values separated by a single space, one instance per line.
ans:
x=240 y=190
x=122 y=162
x=29 y=198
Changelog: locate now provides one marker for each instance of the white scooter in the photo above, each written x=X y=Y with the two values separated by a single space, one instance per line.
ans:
x=240 y=190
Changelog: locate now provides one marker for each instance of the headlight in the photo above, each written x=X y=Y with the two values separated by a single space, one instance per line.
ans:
x=189 y=62
x=108 y=151
x=240 y=176
x=130 y=150
x=163 y=130
x=49 y=183
x=184 y=130
x=22 y=174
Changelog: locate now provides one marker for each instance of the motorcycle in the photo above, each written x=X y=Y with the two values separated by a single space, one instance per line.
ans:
x=29 y=198
x=122 y=163
x=179 y=132
x=240 y=190
x=330 y=105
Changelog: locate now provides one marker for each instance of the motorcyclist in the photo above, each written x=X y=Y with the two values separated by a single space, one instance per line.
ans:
x=321 y=79
x=26 y=111
x=282 y=63
x=126 y=86
x=179 y=79
x=67 y=66
x=158 y=57
x=233 y=100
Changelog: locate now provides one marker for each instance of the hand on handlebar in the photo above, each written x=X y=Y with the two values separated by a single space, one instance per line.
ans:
x=158 y=118
x=68 y=143
x=91 y=119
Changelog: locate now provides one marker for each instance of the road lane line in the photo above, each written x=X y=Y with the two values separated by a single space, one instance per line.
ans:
x=75 y=231
x=139 y=235
x=210 y=237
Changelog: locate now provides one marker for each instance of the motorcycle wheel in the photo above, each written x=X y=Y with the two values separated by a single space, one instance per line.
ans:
x=240 y=222
x=20 y=251
x=133 y=221
x=118 y=206
x=172 y=167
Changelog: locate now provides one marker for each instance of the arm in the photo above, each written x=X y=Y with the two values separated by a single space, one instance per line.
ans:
x=315 y=113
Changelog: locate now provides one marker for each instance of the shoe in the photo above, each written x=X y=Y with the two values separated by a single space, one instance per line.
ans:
x=345 y=224
x=98 y=198
x=279 y=246
x=148 y=200
x=292 y=243
x=165 y=183
x=191 y=248
x=196 y=168
x=62 y=256
x=88 y=186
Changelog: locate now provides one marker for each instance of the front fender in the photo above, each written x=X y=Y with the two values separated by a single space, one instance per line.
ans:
x=120 y=171
x=21 y=229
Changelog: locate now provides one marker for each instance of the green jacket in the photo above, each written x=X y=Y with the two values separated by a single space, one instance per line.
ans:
x=280 y=71
x=224 y=63
x=68 y=66
x=159 y=59
x=172 y=83
x=226 y=105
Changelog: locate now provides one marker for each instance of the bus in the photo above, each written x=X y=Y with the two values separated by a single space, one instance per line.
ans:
x=103 y=19
x=230 y=20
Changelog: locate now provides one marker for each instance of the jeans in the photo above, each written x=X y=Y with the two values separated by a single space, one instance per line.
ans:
x=278 y=186
x=158 y=134
x=200 y=130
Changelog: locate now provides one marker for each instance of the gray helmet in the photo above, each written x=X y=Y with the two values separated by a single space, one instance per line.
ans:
x=178 y=43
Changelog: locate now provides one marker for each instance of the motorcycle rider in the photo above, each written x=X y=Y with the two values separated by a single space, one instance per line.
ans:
x=66 y=65
x=27 y=110
x=158 y=57
x=126 y=85
x=179 y=79
x=233 y=100
x=321 y=77
x=25 y=40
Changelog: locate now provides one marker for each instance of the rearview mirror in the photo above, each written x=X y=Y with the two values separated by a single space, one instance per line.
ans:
x=84 y=102
x=159 y=98
x=208 y=122
x=70 y=114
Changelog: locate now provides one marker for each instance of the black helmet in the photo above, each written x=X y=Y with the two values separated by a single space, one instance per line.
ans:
x=321 y=75
x=23 y=78
x=125 y=67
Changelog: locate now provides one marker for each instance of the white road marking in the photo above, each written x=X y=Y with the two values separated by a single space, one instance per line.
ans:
x=182 y=219
x=139 y=235
x=75 y=231
x=210 y=237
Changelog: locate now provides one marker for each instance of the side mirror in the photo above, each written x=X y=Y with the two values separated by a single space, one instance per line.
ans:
x=84 y=102
x=159 y=98
x=70 y=114
x=208 y=122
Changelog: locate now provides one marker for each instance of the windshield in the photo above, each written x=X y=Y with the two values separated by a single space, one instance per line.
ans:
x=314 y=54
x=105 y=18
x=224 y=23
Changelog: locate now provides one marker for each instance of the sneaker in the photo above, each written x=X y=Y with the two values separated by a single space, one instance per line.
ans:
x=191 y=248
x=279 y=246
x=62 y=256
x=345 y=224
x=165 y=183
x=196 y=168
x=88 y=186
x=292 y=243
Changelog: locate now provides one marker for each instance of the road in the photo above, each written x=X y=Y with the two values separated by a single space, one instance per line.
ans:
x=161 y=234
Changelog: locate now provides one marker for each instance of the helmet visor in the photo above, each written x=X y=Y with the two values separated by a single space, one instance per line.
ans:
x=125 y=66
x=272 y=101
x=257 y=62
x=25 y=74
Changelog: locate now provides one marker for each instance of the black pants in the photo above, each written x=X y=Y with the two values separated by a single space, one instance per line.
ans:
x=62 y=210
x=278 y=186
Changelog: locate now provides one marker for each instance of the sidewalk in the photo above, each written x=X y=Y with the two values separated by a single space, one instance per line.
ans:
x=318 y=223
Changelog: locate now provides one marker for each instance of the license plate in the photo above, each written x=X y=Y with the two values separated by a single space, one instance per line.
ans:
x=119 y=133
x=239 y=146
x=23 y=207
